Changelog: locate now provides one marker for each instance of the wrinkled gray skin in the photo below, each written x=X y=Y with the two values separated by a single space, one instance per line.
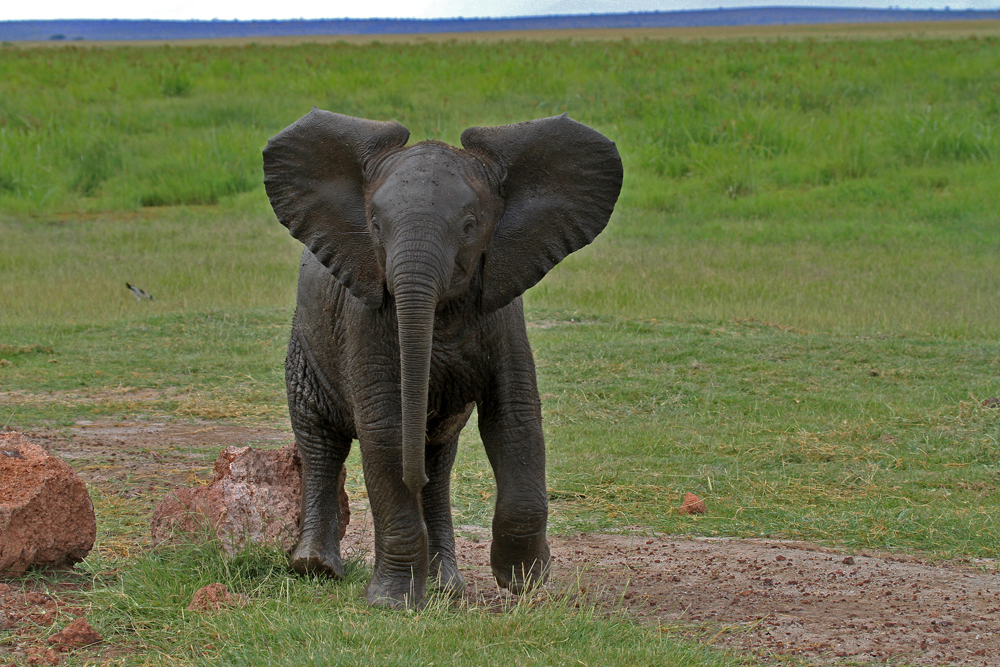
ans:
x=409 y=315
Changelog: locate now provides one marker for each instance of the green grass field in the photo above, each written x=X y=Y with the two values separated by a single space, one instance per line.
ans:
x=794 y=312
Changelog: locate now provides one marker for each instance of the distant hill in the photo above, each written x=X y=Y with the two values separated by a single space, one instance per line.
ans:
x=116 y=29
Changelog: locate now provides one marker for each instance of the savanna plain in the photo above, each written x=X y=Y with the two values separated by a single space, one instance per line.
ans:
x=793 y=313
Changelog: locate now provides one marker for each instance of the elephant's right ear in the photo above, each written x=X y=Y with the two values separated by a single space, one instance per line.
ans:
x=314 y=177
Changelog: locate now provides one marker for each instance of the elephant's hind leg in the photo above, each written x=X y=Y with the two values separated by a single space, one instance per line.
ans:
x=323 y=447
x=436 y=500
x=318 y=549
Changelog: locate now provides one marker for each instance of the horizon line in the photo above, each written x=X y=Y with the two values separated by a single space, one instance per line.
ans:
x=891 y=8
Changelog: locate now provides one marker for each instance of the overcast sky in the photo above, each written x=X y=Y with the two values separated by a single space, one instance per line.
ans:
x=314 y=9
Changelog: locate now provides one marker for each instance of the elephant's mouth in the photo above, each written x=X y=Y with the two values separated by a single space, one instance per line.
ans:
x=461 y=276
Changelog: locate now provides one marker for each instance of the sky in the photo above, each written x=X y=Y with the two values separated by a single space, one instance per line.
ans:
x=245 y=10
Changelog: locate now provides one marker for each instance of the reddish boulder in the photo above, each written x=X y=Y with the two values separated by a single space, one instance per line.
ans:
x=76 y=634
x=254 y=497
x=215 y=597
x=692 y=505
x=46 y=516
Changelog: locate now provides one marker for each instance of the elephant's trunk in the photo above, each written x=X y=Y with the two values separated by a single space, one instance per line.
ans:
x=416 y=297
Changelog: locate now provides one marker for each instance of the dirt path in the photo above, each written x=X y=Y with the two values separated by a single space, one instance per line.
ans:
x=144 y=460
x=774 y=598
x=769 y=597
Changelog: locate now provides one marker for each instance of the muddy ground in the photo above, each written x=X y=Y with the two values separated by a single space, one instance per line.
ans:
x=769 y=597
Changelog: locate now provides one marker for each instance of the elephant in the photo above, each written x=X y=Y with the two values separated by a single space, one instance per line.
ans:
x=409 y=315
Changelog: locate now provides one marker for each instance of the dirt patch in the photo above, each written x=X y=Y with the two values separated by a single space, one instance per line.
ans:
x=144 y=460
x=776 y=598
x=28 y=612
x=769 y=597
x=90 y=397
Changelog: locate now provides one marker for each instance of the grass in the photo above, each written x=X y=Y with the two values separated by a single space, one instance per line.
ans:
x=74 y=270
x=289 y=620
x=877 y=442
x=120 y=129
x=210 y=365
x=793 y=312
x=874 y=441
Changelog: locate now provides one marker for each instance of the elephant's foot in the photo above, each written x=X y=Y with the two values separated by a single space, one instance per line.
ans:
x=310 y=558
x=395 y=591
x=519 y=570
x=444 y=572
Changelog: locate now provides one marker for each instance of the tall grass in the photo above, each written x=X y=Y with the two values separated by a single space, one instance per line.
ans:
x=111 y=129
x=834 y=185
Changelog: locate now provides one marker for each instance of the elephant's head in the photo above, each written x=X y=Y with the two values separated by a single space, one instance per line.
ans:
x=421 y=226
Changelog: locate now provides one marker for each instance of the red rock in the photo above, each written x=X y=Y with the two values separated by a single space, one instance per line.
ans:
x=214 y=597
x=42 y=656
x=46 y=516
x=692 y=505
x=255 y=497
x=76 y=634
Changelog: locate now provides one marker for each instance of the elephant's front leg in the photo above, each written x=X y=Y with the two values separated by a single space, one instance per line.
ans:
x=401 y=549
x=510 y=423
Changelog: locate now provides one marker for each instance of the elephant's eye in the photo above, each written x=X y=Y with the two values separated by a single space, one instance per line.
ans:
x=469 y=226
x=375 y=228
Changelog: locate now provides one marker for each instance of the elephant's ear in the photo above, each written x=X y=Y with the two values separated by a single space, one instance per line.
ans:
x=314 y=177
x=562 y=181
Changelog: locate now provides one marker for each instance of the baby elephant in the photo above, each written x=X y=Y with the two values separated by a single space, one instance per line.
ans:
x=409 y=315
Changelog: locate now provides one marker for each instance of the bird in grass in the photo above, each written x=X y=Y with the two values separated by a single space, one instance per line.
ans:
x=139 y=293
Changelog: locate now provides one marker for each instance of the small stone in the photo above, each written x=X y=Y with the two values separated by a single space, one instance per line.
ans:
x=848 y=561
x=214 y=597
x=76 y=634
x=692 y=505
x=46 y=516
x=5 y=622
x=42 y=656
x=991 y=403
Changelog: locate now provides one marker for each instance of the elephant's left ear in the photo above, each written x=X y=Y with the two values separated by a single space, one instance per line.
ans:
x=562 y=181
